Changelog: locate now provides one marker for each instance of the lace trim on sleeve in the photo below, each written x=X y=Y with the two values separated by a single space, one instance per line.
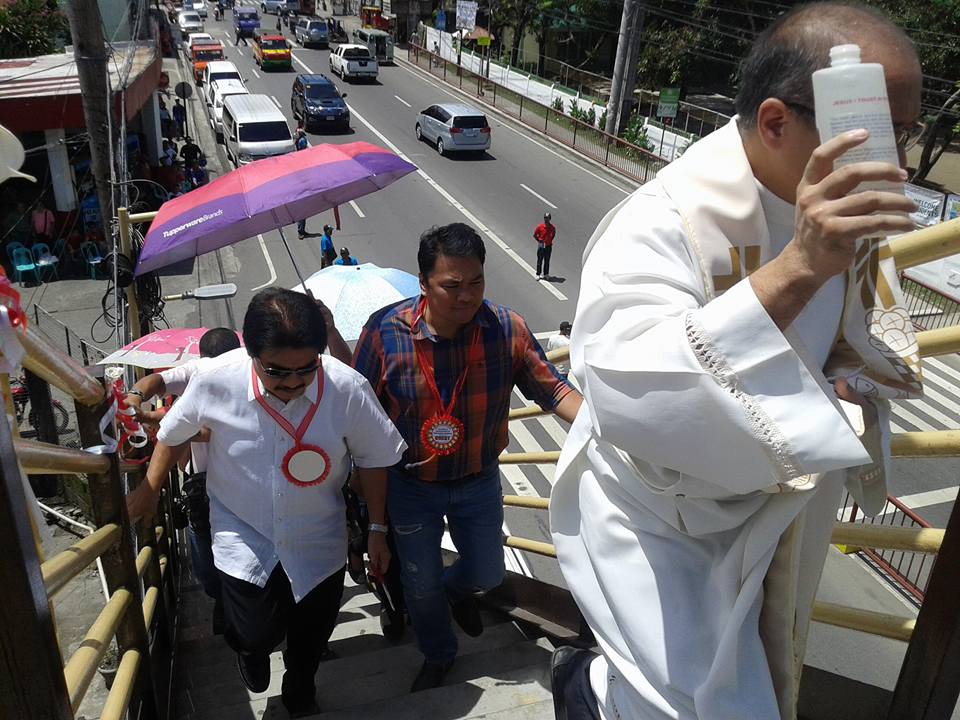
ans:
x=763 y=428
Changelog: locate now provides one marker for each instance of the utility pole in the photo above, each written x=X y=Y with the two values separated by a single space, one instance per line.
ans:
x=90 y=53
x=632 y=10
x=630 y=73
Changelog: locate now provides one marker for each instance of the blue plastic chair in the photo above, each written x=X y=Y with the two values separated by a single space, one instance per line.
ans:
x=10 y=248
x=45 y=260
x=91 y=253
x=23 y=263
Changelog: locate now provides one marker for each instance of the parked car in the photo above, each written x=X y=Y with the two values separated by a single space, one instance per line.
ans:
x=246 y=20
x=199 y=7
x=312 y=31
x=196 y=39
x=318 y=104
x=271 y=51
x=218 y=70
x=189 y=22
x=353 y=61
x=254 y=128
x=203 y=54
x=453 y=127
x=220 y=90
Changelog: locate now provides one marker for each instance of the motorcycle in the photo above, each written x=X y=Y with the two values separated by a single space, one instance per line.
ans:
x=21 y=405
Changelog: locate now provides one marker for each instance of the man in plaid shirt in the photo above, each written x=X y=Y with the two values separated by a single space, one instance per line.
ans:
x=444 y=365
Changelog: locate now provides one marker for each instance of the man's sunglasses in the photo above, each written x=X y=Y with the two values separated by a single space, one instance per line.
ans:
x=281 y=373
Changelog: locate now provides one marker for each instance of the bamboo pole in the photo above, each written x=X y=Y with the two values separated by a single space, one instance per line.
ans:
x=545 y=457
x=535 y=503
x=118 y=701
x=40 y=458
x=526 y=412
x=932 y=243
x=133 y=307
x=143 y=559
x=939 y=443
x=874 y=623
x=534 y=546
x=942 y=341
x=66 y=565
x=884 y=537
x=59 y=369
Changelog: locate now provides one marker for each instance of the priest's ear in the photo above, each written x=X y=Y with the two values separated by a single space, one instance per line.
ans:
x=785 y=127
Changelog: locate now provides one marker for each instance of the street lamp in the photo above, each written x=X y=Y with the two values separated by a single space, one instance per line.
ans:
x=207 y=292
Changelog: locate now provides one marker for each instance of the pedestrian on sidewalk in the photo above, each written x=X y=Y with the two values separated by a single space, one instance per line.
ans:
x=345 y=258
x=544 y=234
x=279 y=540
x=180 y=118
x=444 y=365
x=301 y=143
x=279 y=22
x=328 y=253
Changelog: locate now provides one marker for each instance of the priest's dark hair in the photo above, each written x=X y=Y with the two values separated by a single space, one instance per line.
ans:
x=454 y=240
x=279 y=319
x=217 y=341
x=785 y=55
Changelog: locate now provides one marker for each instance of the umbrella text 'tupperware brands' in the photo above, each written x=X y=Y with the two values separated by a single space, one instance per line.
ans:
x=196 y=221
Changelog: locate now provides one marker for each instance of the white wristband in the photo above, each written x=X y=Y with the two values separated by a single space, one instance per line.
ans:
x=377 y=527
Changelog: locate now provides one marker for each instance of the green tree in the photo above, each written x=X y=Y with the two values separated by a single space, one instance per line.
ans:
x=29 y=28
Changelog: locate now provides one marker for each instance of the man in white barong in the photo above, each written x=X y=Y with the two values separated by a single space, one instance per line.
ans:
x=736 y=343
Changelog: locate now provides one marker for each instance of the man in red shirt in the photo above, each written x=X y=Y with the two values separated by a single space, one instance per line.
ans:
x=544 y=234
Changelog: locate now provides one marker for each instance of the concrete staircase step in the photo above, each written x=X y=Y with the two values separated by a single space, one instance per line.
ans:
x=497 y=679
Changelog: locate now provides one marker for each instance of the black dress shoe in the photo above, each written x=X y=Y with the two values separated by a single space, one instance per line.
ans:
x=569 y=691
x=301 y=709
x=254 y=671
x=430 y=676
x=467 y=614
x=393 y=624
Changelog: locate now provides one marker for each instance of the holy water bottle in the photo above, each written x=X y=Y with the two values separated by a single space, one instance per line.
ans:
x=851 y=95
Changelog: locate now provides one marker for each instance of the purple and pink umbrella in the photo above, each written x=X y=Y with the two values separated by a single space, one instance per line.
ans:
x=266 y=195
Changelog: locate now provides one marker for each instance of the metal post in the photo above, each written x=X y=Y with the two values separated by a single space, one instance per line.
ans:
x=575 y=124
x=520 y=115
x=606 y=157
x=929 y=681
x=83 y=353
x=66 y=332
x=32 y=686
x=119 y=563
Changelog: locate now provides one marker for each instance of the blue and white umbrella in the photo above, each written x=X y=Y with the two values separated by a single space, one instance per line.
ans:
x=354 y=292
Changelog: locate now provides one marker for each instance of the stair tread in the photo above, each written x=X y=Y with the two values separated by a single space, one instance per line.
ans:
x=491 y=680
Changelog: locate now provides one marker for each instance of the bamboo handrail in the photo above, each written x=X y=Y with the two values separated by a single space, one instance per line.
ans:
x=874 y=623
x=942 y=341
x=535 y=503
x=158 y=532
x=66 y=565
x=115 y=708
x=932 y=243
x=59 y=369
x=40 y=458
x=150 y=598
x=543 y=457
x=534 y=546
x=526 y=412
x=143 y=217
x=938 y=443
x=884 y=537
x=143 y=559
x=82 y=666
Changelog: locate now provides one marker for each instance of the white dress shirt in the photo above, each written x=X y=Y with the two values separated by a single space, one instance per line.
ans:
x=175 y=382
x=257 y=517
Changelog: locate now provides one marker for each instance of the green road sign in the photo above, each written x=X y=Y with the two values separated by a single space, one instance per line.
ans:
x=669 y=102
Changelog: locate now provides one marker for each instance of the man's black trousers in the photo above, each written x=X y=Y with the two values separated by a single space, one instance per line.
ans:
x=543 y=258
x=257 y=620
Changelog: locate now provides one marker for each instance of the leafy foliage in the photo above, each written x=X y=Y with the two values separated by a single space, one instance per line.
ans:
x=636 y=133
x=29 y=28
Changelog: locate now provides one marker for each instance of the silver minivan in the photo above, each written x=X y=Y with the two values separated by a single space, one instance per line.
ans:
x=312 y=31
x=254 y=128
x=453 y=127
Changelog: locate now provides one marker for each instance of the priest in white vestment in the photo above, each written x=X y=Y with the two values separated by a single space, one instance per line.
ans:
x=737 y=342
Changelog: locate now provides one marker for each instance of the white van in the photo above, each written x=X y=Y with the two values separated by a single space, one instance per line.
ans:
x=254 y=128
x=378 y=42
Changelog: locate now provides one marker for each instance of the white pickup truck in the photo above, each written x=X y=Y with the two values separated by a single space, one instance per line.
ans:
x=353 y=61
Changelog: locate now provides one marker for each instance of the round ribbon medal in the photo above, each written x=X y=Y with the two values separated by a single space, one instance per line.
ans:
x=442 y=434
x=306 y=465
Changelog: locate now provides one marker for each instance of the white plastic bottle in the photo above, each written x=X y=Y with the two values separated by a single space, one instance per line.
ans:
x=850 y=95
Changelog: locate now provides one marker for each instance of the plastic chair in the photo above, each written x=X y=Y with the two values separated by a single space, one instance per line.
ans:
x=91 y=253
x=10 y=248
x=23 y=263
x=45 y=260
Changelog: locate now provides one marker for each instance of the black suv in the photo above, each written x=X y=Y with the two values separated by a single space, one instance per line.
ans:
x=318 y=103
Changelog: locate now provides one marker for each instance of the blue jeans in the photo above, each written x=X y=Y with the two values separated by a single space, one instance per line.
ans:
x=473 y=507
x=201 y=556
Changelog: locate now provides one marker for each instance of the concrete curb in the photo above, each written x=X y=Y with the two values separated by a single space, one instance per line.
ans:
x=514 y=122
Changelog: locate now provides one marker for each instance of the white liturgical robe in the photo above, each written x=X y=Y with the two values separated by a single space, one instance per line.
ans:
x=698 y=485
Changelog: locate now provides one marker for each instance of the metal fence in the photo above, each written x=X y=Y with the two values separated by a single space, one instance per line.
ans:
x=613 y=152
x=908 y=572
x=66 y=339
x=929 y=308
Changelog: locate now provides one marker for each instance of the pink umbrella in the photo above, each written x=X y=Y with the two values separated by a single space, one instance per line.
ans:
x=160 y=349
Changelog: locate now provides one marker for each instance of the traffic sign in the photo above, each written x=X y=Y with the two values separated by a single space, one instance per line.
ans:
x=183 y=90
x=669 y=102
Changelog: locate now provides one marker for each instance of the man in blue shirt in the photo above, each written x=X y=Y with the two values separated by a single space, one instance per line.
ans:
x=301 y=142
x=345 y=258
x=327 y=252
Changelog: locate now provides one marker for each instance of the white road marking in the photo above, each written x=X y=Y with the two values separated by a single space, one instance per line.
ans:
x=506 y=126
x=403 y=101
x=916 y=501
x=356 y=209
x=538 y=195
x=255 y=73
x=302 y=64
x=273 y=270
x=466 y=213
x=229 y=41
x=901 y=412
x=239 y=51
x=277 y=103
x=941 y=368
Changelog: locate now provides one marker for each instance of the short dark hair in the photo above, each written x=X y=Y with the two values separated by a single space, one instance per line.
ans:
x=785 y=55
x=277 y=318
x=455 y=240
x=218 y=341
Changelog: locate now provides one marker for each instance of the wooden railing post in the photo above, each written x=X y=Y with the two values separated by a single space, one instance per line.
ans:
x=119 y=564
x=929 y=681
x=41 y=412
x=32 y=685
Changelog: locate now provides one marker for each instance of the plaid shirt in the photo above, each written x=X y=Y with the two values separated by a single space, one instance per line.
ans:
x=510 y=355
